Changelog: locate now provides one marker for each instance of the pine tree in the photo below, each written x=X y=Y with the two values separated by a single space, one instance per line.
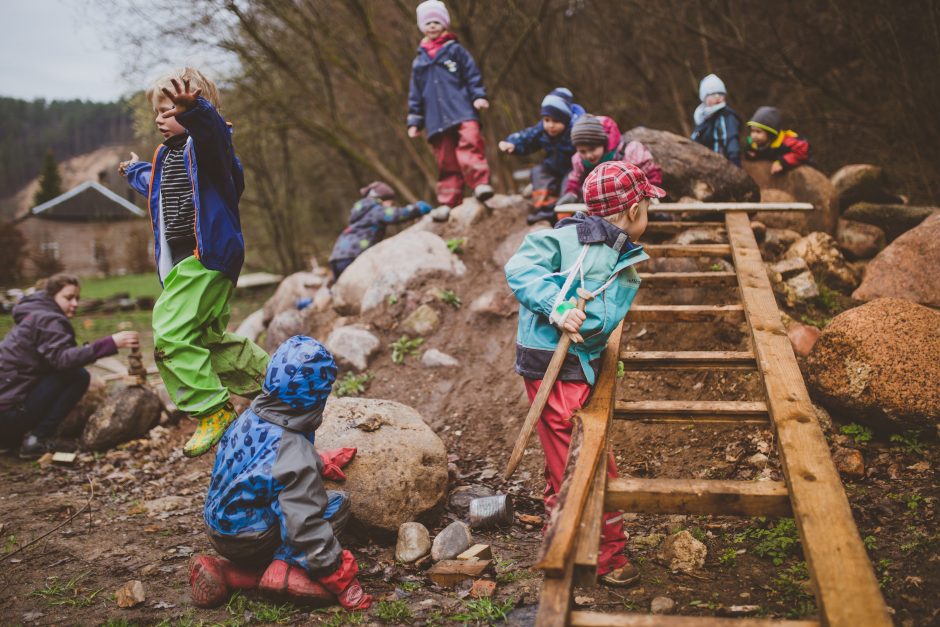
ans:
x=50 y=182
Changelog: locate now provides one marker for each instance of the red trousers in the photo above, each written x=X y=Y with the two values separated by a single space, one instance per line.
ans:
x=555 y=427
x=460 y=159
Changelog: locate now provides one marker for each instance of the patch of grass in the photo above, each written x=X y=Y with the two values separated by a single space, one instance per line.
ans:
x=716 y=267
x=449 y=297
x=340 y=618
x=857 y=432
x=913 y=502
x=920 y=541
x=9 y=543
x=123 y=622
x=397 y=611
x=819 y=323
x=410 y=586
x=909 y=442
x=870 y=543
x=485 y=611
x=886 y=577
x=455 y=245
x=405 y=346
x=66 y=593
x=392 y=300
x=828 y=299
x=698 y=533
x=728 y=557
x=712 y=604
x=351 y=384
x=790 y=587
x=264 y=612
x=777 y=542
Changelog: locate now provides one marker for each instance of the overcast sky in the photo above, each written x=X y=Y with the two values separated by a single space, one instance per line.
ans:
x=63 y=49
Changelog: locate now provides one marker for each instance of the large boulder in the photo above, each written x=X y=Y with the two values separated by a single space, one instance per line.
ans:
x=894 y=220
x=880 y=363
x=294 y=288
x=861 y=182
x=824 y=258
x=907 y=268
x=352 y=345
x=508 y=247
x=76 y=420
x=128 y=413
x=399 y=473
x=859 y=240
x=288 y=323
x=690 y=169
x=802 y=184
x=387 y=267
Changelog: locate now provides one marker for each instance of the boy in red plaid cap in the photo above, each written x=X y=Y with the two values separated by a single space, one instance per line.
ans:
x=595 y=251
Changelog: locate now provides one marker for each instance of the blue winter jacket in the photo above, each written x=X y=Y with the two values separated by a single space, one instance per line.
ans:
x=719 y=133
x=443 y=89
x=267 y=473
x=367 y=222
x=558 y=150
x=582 y=251
x=218 y=182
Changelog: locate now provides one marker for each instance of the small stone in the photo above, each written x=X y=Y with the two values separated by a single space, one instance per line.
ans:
x=130 y=594
x=422 y=321
x=758 y=460
x=849 y=461
x=461 y=496
x=684 y=552
x=433 y=358
x=491 y=303
x=802 y=338
x=453 y=540
x=583 y=601
x=741 y=610
x=414 y=542
x=649 y=541
x=662 y=605
x=529 y=519
x=482 y=589
x=352 y=345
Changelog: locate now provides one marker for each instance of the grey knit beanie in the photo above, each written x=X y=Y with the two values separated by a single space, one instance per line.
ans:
x=588 y=131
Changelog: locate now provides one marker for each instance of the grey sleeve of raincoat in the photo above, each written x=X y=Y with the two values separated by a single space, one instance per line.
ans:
x=303 y=501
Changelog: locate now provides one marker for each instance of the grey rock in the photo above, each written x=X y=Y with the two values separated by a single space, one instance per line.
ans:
x=453 y=540
x=433 y=358
x=424 y=320
x=824 y=258
x=414 y=542
x=461 y=496
x=684 y=552
x=894 y=220
x=76 y=420
x=126 y=414
x=288 y=323
x=293 y=288
x=758 y=460
x=859 y=240
x=662 y=605
x=352 y=345
x=803 y=184
x=862 y=182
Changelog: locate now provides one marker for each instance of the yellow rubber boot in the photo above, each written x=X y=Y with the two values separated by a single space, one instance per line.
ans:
x=210 y=430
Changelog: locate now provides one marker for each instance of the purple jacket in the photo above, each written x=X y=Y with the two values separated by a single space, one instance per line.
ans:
x=42 y=341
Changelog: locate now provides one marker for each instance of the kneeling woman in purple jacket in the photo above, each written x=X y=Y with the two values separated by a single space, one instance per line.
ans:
x=41 y=367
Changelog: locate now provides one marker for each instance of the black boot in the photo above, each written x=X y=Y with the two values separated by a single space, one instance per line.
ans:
x=34 y=448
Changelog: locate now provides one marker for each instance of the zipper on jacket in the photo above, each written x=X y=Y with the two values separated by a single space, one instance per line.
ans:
x=192 y=183
x=153 y=225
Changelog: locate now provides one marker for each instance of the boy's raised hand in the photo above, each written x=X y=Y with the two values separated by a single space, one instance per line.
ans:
x=182 y=98
x=507 y=146
x=413 y=131
x=481 y=103
x=776 y=167
x=122 y=167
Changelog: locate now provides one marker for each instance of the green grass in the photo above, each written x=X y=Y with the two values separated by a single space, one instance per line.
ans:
x=351 y=384
x=777 y=542
x=909 y=442
x=396 y=611
x=66 y=593
x=136 y=285
x=405 y=346
x=857 y=432
x=264 y=612
x=455 y=245
x=485 y=611
x=449 y=297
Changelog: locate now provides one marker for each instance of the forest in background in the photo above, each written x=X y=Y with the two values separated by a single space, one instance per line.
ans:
x=318 y=101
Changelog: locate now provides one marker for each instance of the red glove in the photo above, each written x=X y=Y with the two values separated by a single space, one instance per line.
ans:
x=334 y=460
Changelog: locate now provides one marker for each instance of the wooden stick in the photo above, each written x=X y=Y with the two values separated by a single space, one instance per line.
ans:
x=541 y=397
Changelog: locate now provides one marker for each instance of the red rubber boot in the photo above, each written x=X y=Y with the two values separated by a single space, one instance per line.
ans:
x=345 y=586
x=212 y=579
x=282 y=579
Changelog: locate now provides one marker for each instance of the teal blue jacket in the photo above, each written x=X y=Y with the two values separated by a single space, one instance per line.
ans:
x=595 y=255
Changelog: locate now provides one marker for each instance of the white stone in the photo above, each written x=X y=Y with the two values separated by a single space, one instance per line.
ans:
x=352 y=345
x=433 y=358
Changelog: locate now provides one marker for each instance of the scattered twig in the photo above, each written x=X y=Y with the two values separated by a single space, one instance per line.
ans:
x=91 y=496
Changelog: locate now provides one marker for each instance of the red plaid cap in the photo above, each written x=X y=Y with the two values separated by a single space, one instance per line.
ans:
x=614 y=186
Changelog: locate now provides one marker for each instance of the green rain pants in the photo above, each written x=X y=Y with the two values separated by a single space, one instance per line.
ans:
x=199 y=361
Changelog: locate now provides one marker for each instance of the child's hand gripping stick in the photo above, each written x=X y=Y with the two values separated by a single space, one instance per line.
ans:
x=541 y=397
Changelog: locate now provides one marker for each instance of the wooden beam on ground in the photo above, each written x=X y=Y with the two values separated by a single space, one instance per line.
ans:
x=686 y=313
x=589 y=535
x=678 y=227
x=723 y=207
x=599 y=619
x=691 y=412
x=688 y=250
x=688 y=360
x=592 y=423
x=555 y=599
x=698 y=497
x=847 y=591
x=658 y=280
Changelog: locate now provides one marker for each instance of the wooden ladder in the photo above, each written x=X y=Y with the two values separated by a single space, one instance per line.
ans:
x=846 y=590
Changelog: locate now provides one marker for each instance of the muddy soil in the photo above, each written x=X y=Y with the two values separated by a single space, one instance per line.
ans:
x=135 y=513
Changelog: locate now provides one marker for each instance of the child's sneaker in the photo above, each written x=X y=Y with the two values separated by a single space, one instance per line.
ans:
x=622 y=577
x=483 y=192
x=283 y=580
x=343 y=583
x=210 y=430
x=212 y=579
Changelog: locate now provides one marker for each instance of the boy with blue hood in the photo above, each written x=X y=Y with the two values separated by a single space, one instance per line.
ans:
x=267 y=511
x=716 y=124
x=596 y=252
x=553 y=135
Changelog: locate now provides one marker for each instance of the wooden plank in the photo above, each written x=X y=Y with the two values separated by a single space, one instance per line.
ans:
x=724 y=411
x=599 y=619
x=660 y=280
x=555 y=599
x=698 y=497
x=589 y=534
x=722 y=207
x=593 y=422
x=688 y=250
x=847 y=591
x=688 y=360
x=686 y=313
x=678 y=227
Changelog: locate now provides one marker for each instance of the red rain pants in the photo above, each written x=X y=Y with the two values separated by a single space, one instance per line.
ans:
x=460 y=159
x=555 y=427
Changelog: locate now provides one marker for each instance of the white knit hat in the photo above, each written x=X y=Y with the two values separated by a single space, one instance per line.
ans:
x=711 y=84
x=432 y=11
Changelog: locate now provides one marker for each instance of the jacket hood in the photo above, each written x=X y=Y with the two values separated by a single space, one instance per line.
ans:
x=299 y=379
x=38 y=301
x=597 y=230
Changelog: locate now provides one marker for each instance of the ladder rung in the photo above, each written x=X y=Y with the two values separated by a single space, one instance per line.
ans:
x=678 y=227
x=688 y=279
x=599 y=619
x=698 y=497
x=685 y=313
x=688 y=250
x=737 y=412
x=688 y=360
